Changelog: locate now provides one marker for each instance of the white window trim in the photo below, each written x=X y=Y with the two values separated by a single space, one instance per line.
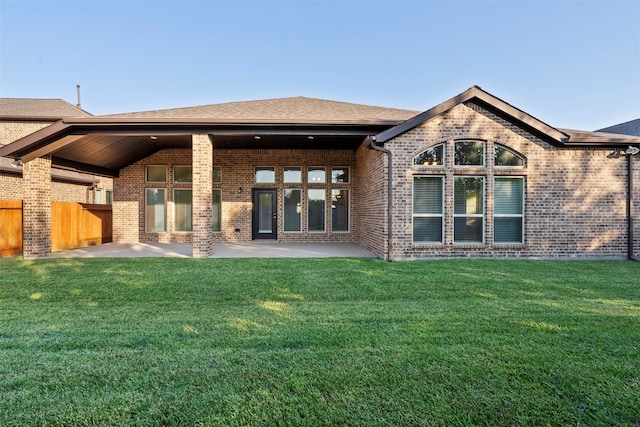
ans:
x=324 y=168
x=348 y=230
x=482 y=215
x=255 y=175
x=347 y=168
x=173 y=172
x=284 y=181
x=301 y=210
x=212 y=192
x=173 y=202
x=146 y=230
x=444 y=157
x=213 y=180
x=146 y=180
x=521 y=216
x=414 y=215
x=515 y=153
x=484 y=153
x=324 y=224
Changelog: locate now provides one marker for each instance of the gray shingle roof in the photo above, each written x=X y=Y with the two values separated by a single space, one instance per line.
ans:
x=295 y=108
x=627 y=128
x=39 y=108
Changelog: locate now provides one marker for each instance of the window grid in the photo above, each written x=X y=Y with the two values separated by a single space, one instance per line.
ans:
x=465 y=224
x=508 y=218
x=424 y=216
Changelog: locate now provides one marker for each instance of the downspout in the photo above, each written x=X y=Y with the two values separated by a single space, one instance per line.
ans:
x=630 y=210
x=372 y=145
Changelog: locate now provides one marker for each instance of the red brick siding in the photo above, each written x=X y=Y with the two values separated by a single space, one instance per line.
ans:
x=237 y=182
x=575 y=199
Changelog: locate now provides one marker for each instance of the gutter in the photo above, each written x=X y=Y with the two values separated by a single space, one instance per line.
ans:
x=630 y=210
x=371 y=144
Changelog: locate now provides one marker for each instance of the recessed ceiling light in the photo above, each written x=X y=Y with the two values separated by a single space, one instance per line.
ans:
x=153 y=137
x=257 y=137
x=310 y=137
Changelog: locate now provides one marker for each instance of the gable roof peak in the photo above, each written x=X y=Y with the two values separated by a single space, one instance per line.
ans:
x=477 y=95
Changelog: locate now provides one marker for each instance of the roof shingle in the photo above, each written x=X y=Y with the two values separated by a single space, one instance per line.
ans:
x=35 y=108
x=295 y=108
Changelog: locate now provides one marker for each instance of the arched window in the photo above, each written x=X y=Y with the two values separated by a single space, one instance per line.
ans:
x=433 y=156
x=469 y=153
x=505 y=157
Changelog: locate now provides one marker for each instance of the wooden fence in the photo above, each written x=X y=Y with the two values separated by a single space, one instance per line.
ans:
x=73 y=225
x=10 y=227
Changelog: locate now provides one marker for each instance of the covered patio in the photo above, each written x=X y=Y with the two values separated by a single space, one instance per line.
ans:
x=221 y=250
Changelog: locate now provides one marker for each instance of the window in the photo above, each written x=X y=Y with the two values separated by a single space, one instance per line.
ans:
x=217 y=174
x=508 y=208
x=109 y=197
x=265 y=175
x=98 y=197
x=505 y=157
x=156 y=174
x=155 y=212
x=433 y=156
x=340 y=210
x=316 y=175
x=217 y=211
x=315 y=213
x=182 y=174
x=292 y=210
x=428 y=209
x=292 y=174
x=339 y=175
x=183 y=209
x=468 y=219
x=469 y=153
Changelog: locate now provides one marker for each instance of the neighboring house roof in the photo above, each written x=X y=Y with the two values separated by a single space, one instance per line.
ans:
x=38 y=109
x=280 y=109
x=631 y=127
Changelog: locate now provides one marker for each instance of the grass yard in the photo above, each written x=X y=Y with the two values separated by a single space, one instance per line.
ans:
x=319 y=342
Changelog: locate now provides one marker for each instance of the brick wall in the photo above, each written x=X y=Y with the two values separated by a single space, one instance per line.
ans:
x=36 y=208
x=371 y=180
x=12 y=130
x=237 y=182
x=575 y=202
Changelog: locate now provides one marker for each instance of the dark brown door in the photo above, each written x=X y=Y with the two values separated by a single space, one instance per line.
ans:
x=265 y=213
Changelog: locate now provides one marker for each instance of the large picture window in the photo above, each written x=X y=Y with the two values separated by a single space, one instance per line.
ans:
x=508 y=208
x=428 y=209
x=292 y=210
x=155 y=210
x=468 y=210
x=183 y=209
x=315 y=210
x=339 y=210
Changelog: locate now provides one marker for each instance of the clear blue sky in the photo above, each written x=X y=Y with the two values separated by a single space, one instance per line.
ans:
x=572 y=64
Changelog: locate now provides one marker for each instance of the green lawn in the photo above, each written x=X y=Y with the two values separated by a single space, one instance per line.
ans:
x=319 y=342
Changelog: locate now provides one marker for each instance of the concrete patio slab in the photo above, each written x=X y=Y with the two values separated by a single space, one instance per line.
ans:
x=220 y=250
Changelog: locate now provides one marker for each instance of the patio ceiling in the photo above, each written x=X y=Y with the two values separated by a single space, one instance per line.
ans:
x=103 y=147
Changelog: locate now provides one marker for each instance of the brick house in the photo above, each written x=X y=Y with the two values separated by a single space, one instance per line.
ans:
x=471 y=177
